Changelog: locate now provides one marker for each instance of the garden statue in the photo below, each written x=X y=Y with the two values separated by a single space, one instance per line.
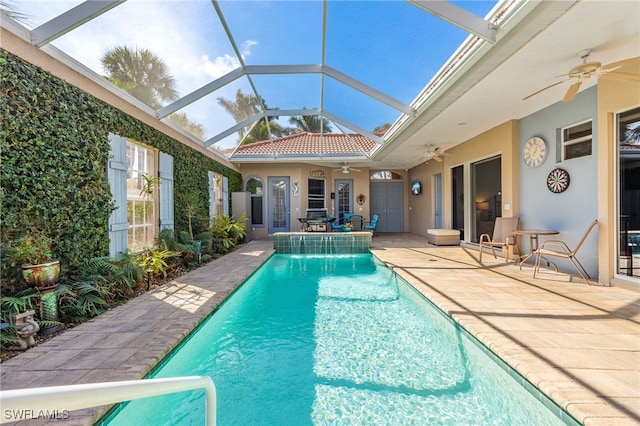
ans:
x=26 y=328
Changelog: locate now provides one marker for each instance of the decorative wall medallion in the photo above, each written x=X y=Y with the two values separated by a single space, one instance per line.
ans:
x=535 y=152
x=558 y=180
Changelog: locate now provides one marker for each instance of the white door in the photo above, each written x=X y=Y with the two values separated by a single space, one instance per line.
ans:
x=278 y=204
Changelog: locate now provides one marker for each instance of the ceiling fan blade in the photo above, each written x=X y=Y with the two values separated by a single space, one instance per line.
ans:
x=619 y=64
x=437 y=158
x=572 y=91
x=543 y=89
x=355 y=170
x=609 y=68
x=626 y=76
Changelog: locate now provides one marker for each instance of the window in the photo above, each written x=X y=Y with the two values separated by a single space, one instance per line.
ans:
x=576 y=140
x=256 y=188
x=385 y=175
x=316 y=193
x=142 y=193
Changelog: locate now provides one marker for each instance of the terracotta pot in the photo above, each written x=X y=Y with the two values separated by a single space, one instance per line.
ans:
x=43 y=275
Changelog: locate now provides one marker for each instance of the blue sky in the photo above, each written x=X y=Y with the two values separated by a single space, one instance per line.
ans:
x=390 y=45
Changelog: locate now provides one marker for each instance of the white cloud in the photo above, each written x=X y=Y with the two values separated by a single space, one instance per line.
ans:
x=246 y=47
x=220 y=65
x=183 y=37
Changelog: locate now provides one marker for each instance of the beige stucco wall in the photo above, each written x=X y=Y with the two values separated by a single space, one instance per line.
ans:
x=614 y=96
x=502 y=140
x=299 y=172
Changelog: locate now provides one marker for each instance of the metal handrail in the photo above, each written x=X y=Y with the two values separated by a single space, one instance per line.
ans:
x=77 y=397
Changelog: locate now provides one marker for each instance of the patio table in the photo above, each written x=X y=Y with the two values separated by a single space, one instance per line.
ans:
x=534 y=235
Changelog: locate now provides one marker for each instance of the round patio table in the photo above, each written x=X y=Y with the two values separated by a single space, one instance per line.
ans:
x=533 y=234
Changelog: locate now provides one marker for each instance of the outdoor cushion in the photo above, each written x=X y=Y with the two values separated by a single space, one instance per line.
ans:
x=443 y=237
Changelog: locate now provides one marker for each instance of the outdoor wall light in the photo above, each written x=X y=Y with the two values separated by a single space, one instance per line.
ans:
x=360 y=199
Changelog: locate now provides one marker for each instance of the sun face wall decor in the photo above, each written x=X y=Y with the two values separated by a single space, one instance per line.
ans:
x=535 y=152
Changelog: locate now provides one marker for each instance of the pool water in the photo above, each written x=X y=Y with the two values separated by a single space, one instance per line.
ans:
x=336 y=340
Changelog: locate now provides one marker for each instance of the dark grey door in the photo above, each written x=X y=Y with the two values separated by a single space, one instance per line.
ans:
x=387 y=200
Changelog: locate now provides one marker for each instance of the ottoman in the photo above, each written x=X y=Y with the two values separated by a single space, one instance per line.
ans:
x=443 y=237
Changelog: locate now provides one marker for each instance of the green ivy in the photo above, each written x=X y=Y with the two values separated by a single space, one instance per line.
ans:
x=54 y=150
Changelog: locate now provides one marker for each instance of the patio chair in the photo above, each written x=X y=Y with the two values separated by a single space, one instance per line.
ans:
x=356 y=222
x=502 y=236
x=335 y=226
x=371 y=226
x=559 y=249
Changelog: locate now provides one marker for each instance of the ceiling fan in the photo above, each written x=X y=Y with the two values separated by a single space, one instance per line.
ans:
x=579 y=73
x=346 y=169
x=434 y=153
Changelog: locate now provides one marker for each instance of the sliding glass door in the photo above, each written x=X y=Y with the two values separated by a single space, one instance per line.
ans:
x=486 y=196
x=628 y=150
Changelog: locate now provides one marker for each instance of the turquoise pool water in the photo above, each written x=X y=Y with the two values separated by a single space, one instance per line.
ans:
x=336 y=340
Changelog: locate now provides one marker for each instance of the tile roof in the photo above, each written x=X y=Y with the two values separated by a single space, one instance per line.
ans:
x=305 y=143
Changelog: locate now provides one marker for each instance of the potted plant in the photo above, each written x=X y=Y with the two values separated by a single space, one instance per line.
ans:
x=32 y=253
x=148 y=185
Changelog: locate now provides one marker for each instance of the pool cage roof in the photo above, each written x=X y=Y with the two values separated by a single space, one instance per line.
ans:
x=231 y=73
x=351 y=66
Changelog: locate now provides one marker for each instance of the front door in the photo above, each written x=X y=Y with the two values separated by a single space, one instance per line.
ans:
x=344 y=198
x=278 y=204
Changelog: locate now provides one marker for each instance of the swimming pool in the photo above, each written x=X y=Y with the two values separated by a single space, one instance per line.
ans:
x=341 y=339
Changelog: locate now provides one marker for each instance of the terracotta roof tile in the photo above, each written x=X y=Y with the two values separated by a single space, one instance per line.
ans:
x=306 y=143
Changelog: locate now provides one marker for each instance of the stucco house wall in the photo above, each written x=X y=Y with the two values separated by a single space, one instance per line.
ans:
x=300 y=173
x=571 y=211
x=501 y=140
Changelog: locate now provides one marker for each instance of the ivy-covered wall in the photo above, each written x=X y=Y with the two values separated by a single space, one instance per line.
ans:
x=54 y=152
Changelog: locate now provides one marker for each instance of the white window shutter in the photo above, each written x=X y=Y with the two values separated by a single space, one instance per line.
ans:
x=117 y=175
x=166 y=191
x=212 y=196
x=225 y=195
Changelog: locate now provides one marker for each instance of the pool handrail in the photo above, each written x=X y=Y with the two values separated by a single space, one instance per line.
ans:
x=81 y=396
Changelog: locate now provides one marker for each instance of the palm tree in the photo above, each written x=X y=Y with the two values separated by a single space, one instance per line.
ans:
x=242 y=108
x=382 y=128
x=246 y=106
x=311 y=124
x=141 y=73
x=262 y=132
x=181 y=119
